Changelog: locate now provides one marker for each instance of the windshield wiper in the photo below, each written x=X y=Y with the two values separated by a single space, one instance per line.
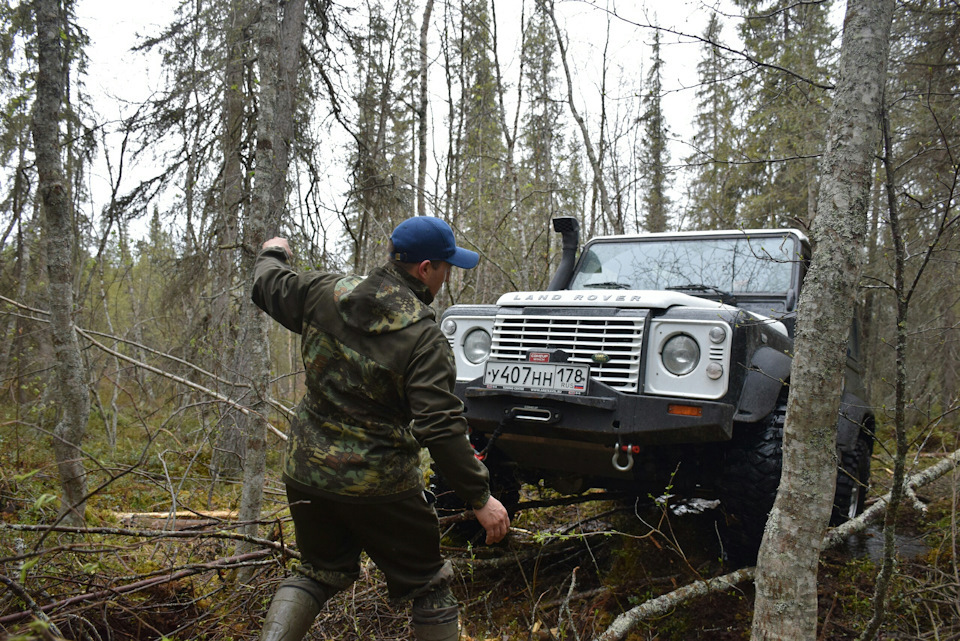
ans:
x=725 y=297
x=607 y=285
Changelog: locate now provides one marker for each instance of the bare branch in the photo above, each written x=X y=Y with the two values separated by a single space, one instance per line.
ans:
x=623 y=624
x=742 y=54
x=88 y=334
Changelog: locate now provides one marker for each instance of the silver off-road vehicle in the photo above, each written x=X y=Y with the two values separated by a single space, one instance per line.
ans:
x=652 y=360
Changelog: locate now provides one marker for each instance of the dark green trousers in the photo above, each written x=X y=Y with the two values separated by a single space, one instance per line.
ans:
x=402 y=537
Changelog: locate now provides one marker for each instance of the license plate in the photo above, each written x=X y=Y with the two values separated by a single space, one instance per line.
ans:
x=566 y=378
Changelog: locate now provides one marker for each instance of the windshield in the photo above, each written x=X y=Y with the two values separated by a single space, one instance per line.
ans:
x=741 y=265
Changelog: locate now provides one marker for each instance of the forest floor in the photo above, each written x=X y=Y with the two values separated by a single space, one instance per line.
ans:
x=565 y=572
x=632 y=554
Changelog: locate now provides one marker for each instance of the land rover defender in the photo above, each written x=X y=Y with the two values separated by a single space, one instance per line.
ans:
x=652 y=360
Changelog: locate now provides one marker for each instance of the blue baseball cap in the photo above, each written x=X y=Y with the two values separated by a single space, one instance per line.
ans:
x=427 y=238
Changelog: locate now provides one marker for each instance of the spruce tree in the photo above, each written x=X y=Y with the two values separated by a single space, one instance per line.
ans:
x=786 y=88
x=654 y=154
x=479 y=191
x=382 y=171
x=712 y=202
x=542 y=143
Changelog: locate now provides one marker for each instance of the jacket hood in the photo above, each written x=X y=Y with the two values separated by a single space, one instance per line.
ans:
x=387 y=300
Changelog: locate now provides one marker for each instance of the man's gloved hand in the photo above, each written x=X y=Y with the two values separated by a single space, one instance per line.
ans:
x=494 y=519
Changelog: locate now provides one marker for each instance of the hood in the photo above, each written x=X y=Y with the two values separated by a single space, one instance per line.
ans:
x=387 y=300
x=628 y=298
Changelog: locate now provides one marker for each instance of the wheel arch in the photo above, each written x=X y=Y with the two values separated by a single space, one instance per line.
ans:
x=767 y=374
x=855 y=422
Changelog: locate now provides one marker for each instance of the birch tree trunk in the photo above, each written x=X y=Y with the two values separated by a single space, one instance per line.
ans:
x=786 y=583
x=71 y=375
x=252 y=346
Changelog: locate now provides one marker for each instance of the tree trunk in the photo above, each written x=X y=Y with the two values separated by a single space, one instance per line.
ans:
x=786 y=598
x=11 y=333
x=288 y=66
x=252 y=346
x=274 y=130
x=71 y=376
x=422 y=115
x=900 y=391
x=229 y=440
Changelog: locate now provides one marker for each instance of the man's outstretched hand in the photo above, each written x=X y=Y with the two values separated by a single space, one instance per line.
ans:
x=276 y=241
x=494 y=519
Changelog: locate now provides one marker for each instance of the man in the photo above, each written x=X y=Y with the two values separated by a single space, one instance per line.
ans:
x=379 y=378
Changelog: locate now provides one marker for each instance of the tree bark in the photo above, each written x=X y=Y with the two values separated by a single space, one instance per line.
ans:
x=288 y=67
x=229 y=440
x=71 y=374
x=422 y=115
x=279 y=60
x=252 y=346
x=786 y=599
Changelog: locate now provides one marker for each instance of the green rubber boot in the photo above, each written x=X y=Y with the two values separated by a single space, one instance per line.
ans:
x=435 y=616
x=294 y=607
x=449 y=631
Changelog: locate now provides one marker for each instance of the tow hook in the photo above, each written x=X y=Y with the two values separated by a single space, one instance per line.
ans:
x=629 y=450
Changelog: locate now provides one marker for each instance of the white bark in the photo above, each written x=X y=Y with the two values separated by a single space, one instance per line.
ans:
x=786 y=596
x=663 y=604
x=252 y=349
x=666 y=602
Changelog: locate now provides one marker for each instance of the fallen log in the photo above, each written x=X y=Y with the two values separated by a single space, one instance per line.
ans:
x=179 y=520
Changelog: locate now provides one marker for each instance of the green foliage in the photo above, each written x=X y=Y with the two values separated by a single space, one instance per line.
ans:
x=712 y=200
x=785 y=110
x=654 y=154
x=166 y=276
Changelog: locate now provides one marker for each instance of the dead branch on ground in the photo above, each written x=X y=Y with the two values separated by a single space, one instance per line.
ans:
x=624 y=623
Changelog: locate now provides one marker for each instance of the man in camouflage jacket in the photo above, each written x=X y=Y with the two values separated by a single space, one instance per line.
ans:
x=379 y=379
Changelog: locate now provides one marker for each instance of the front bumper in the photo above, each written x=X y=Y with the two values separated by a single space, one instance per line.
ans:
x=605 y=416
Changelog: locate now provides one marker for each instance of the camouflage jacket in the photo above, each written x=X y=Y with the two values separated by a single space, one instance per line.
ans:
x=379 y=378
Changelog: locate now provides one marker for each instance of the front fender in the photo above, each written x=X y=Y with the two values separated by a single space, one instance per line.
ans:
x=854 y=420
x=768 y=372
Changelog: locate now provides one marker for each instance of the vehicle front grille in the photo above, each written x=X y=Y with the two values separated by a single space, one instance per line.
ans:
x=581 y=337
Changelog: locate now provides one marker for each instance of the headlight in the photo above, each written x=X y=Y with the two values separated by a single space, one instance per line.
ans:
x=680 y=354
x=476 y=345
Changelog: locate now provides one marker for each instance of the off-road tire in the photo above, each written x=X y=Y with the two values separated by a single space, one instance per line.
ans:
x=749 y=481
x=853 y=480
